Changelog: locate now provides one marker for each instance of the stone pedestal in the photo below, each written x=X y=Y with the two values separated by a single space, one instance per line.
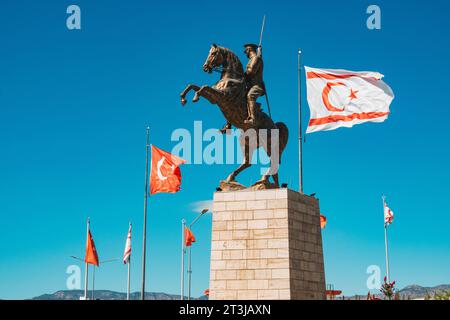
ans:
x=266 y=245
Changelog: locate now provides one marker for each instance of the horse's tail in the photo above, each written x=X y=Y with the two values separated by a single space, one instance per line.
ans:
x=283 y=136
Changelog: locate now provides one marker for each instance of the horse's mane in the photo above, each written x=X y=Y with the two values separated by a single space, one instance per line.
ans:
x=234 y=59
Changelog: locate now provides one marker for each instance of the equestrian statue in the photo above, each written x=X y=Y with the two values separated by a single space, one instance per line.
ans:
x=236 y=95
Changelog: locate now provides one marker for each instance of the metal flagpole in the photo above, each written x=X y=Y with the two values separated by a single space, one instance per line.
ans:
x=387 y=255
x=189 y=253
x=386 y=243
x=189 y=272
x=300 y=143
x=87 y=265
x=129 y=271
x=183 y=226
x=259 y=54
x=93 y=274
x=147 y=147
x=93 y=282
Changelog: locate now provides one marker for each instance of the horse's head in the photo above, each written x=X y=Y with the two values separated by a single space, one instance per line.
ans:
x=214 y=59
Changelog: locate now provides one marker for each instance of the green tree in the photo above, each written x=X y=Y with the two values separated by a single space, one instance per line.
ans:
x=442 y=295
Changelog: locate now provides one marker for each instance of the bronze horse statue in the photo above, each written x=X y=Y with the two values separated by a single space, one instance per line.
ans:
x=229 y=93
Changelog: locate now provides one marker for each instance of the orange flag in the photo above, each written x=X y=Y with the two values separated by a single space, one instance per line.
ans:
x=323 y=221
x=165 y=173
x=188 y=237
x=91 y=252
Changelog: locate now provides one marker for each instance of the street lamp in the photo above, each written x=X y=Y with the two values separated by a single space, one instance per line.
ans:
x=189 y=252
x=93 y=272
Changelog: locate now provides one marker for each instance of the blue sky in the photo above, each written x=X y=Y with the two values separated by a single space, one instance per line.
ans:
x=74 y=106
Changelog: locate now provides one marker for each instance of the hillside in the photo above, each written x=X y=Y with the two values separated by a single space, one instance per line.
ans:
x=408 y=292
x=107 y=295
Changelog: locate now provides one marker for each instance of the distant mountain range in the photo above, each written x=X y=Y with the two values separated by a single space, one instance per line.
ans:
x=411 y=292
x=416 y=291
x=108 y=295
x=408 y=292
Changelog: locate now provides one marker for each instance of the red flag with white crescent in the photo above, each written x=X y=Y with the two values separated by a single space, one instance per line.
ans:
x=127 y=252
x=165 y=173
x=189 y=237
x=342 y=98
x=91 y=252
x=323 y=221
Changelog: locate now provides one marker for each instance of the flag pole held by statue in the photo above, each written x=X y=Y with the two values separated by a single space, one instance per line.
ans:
x=259 y=54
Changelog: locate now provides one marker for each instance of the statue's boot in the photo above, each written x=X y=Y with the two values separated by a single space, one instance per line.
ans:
x=252 y=106
x=225 y=128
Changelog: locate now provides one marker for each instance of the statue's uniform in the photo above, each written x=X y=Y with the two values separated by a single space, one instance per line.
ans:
x=254 y=83
x=254 y=78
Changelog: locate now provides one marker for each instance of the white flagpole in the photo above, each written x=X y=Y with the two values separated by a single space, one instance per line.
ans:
x=386 y=242
x=183 y=226
x=300 y=144
x=190 y=253
x=146 y=195
x=93 y=282
x=129 y=269
x=189 y=272
x=129 y=272
x=86 y=266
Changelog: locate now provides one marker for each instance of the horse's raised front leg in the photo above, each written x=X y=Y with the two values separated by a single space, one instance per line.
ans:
x=210 y=94
x=186 y=91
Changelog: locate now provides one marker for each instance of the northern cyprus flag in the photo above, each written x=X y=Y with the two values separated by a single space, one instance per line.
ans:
x=341 y=98
x=127 y=252
x=388 y=215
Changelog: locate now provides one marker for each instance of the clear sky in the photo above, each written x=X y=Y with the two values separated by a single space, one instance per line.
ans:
x=74 y=106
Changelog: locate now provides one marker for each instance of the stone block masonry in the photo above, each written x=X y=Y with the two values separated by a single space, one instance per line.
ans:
x=266 y=245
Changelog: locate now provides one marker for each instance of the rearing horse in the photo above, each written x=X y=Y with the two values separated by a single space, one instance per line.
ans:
x=229 y=93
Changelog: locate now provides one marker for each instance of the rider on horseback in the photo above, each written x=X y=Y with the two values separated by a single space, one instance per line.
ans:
x=231 y=95
x=254 y=81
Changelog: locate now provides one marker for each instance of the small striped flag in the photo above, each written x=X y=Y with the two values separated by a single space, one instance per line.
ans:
x=388 y=215
x=127 y=252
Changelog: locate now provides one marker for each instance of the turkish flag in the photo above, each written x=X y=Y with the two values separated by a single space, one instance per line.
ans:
x=188 y=237
x=341 y=98
x=323 y=221
x=91 y=252
x=165 y=173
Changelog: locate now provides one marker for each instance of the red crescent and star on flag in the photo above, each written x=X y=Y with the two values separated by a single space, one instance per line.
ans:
x=327 y=90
